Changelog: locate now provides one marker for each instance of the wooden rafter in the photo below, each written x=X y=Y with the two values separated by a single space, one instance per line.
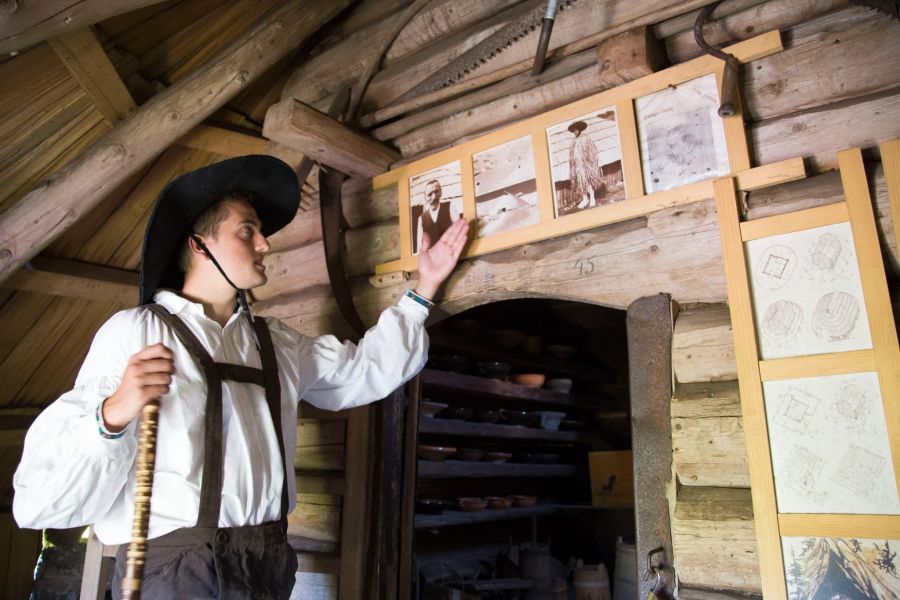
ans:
x=46 y=212
x=328 y=141
x=27 y=23
x=74 y=279
x=220 y=140
x=85 y=58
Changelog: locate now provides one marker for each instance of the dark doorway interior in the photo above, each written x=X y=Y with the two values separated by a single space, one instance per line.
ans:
x=467 y=406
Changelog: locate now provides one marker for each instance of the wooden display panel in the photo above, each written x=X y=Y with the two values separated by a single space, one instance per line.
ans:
x=520 y=205
x=782 y=397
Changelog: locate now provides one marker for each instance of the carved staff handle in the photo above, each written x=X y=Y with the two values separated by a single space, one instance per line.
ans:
x=137 y=548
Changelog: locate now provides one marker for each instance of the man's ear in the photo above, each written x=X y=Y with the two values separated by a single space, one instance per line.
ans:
x=196 y=246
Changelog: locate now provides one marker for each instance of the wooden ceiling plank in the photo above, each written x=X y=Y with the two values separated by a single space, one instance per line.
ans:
x=58 y=277
x=328 y=141
x=206 y=42
x=143 y=37
x=54 y=206
x=19 y=314
x=85 y=58
x=53 y=152
x=35 y=345
x=220 y=140
x=65 y=358
x=28 y=23
x=47 y=114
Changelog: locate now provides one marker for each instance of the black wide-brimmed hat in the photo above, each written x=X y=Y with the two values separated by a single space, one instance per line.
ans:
x=276 y=196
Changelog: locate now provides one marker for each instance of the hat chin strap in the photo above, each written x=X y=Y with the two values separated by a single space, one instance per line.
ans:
x=241 y=293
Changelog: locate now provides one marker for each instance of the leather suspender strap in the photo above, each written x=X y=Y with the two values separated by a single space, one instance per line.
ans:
x=211 y=484
x=215 y=373
x=273 y=397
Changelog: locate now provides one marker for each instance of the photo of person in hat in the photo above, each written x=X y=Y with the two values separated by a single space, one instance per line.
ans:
x=228 y=384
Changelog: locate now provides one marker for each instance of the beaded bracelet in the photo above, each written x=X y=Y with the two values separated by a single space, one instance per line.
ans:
x=101 y=426
x=416 y=297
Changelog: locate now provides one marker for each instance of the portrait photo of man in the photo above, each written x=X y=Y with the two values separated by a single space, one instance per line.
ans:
x=436 y=203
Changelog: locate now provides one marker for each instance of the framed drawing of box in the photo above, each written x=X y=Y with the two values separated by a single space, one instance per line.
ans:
x=649 y=144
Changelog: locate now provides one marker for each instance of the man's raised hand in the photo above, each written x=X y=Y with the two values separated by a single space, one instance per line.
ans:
x=147 y=377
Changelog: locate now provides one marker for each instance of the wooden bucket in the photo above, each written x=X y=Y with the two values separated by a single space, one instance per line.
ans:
x=591 y=583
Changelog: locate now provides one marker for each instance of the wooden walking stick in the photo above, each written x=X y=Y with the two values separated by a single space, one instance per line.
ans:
x=137 y=548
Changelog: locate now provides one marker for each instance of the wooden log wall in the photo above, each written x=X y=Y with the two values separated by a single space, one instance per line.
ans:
x=837 y=84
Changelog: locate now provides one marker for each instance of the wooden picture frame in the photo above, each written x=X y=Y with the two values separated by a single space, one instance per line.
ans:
x=551 y=221
x=779 y=396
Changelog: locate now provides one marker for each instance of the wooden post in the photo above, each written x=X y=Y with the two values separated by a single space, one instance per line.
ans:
x=43 y=214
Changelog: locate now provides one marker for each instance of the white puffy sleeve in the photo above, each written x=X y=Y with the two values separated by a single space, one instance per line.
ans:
x=335 y=375
x=70 y=474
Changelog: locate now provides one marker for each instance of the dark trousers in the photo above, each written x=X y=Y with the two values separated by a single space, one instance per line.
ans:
x=229 y=563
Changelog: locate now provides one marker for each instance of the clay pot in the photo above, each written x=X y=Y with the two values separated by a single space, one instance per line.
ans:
x=498 y=502
x=455 y=412
x=448 y=362
x=435 y=452
x=497 y=457
x=507 y=338
x=470 y=454
x=486 y=416
x=471 y=504
x=430 y=506
x=428 y=408
x=532 y=380
x=518 y=418
x=523 y=501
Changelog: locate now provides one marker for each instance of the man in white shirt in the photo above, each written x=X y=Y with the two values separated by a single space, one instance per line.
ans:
x=228 y=386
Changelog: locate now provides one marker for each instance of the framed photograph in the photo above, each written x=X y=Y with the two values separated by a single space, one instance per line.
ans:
x=582 y=165
x=435 y=199
x=505 y=187
x=681 y=136
x=586 y=162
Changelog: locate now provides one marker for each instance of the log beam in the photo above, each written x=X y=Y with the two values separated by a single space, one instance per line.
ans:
x=43 y=214
x=85 y=58
x=25 y=23
x=326 y=140
x=73 y=279
x=219 y=140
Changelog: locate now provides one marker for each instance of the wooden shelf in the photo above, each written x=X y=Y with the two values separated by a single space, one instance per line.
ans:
x=491 y=430
x=495 y=388
x=482 y=349
x=459 y=468
x=458 y=517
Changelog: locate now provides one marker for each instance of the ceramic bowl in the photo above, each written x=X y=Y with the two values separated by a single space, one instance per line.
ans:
x=448 y=362
x=532 y=380
x=560 y=351
x=470 y=454
x=430 y=506
x=559 y=385
x=471 y=504
x=519 y=418
x=497 y=457
x=498 y=502
x=459 y=413
x=523 y=501
x=494 y=370
x=486 y=416
x=550 y=419
x=427 y=408
x=507 y=338
x=435 y=452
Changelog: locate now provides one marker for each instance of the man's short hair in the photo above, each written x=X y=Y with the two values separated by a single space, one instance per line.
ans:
x=207 y=224
x=434 y=181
